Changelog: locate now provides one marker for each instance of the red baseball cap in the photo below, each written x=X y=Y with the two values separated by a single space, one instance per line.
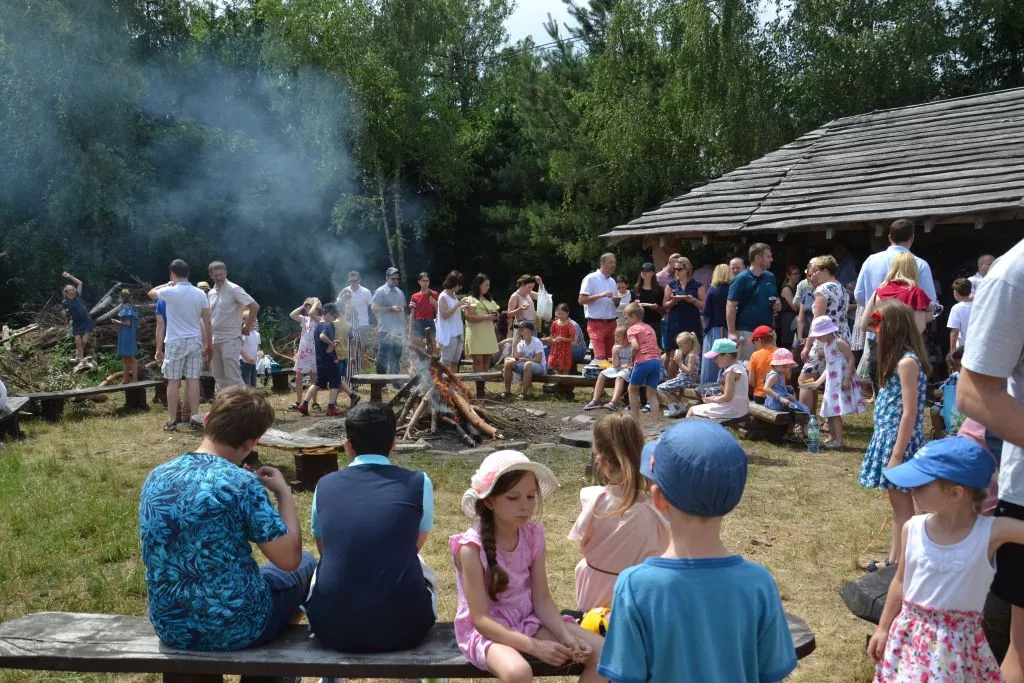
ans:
x=762 y=332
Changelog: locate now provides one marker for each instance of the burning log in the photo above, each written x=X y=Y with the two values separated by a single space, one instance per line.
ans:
x=461 y=432
x=418 y=413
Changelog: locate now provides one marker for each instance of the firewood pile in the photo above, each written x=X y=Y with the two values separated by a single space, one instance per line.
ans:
x=435 y=399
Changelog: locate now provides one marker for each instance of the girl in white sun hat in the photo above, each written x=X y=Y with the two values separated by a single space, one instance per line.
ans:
x=505 y=607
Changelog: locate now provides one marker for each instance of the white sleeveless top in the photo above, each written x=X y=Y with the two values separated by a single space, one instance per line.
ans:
x=950 y=577
x=448 y=328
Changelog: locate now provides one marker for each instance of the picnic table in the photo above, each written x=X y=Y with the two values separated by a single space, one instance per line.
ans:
x=378 y=382
x=108 y=643
x=51 y=403
x=9 y=420
x=315 y=457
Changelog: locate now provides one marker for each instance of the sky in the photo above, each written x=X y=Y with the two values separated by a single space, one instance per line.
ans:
x=529 y=17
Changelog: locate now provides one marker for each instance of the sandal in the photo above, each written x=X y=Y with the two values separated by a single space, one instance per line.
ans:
x=833 y=445
x=612 y=406
x=170 y=426
x=873 y=566
x=505 y=395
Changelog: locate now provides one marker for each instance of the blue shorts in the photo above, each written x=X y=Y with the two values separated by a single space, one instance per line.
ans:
x=420 y=327
x=536 y=368
x=329 y=376
x=646 y=374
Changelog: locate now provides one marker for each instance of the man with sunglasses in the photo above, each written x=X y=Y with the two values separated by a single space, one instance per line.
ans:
x=389 y=308
x=355 y=300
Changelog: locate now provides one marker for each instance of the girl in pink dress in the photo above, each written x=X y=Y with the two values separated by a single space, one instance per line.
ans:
x=307 y=316
x=505 y=608
x=618 y=526
x=842 y=394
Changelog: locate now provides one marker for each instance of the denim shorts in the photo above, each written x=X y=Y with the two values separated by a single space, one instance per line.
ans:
x=537 y=368
x=646 y=374
x=420 y=327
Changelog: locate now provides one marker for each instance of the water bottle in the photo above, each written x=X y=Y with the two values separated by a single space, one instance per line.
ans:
x=813 y=435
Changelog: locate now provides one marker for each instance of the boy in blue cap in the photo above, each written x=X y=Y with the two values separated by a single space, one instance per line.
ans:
x=698 y=612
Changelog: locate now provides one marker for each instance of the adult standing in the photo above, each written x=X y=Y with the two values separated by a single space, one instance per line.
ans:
x=901 y=282
x=650 y=295
x=450 y=325
x=786 y=327
x=831 y=299
x=227 y=303
x=356 y=300
x=704 y=275
x=684 y=301
x=599 y=297
x=522 y=305
x=666 y=274
x=388 y=307
x=187 y=339
x=873 y=272
x=991 y=391
x=714 y=320
x=846 y=272
x=753 y=298
x=984 y=263
x=803 y=301
x=736 y=266
x=481 y=319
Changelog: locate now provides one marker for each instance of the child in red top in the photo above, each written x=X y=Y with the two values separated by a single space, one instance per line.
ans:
x=424 y=309
x=646 y=361
x=563 y=335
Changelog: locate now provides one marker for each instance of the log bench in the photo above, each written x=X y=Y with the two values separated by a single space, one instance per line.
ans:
x=51 y=404
x=760 y=423
x=107 y=643
x=9 y=421
x=280 y=380
x=378 y=382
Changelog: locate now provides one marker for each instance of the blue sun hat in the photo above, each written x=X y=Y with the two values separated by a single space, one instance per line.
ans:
x=722 y=345
x=954 y=459
x=699 y=467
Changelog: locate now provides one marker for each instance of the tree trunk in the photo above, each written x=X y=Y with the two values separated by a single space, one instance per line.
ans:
x=396 y=190
x=382 y=198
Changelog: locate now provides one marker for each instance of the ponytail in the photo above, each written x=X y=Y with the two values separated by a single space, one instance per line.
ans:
x=494 y=575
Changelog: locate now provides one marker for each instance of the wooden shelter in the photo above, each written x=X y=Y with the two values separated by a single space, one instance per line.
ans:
x=954 y=166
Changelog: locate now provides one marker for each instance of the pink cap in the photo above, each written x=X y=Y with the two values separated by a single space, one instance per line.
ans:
x=821 y=326
x=783 y=357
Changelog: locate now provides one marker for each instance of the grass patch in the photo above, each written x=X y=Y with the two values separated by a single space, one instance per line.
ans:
x=69 y=536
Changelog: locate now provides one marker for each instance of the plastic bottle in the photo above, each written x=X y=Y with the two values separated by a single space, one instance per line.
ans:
x=813 y=435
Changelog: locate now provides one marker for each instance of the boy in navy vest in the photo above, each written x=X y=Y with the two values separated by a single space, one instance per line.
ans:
x=370 y=520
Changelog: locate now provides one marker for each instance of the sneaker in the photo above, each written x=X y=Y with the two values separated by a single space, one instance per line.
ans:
x=304 y=409
x=593 y=405
x=294 y=406
x=353 y=400
x=645 y=408
x=675 y=412
x=332 y=411
x=316 y=407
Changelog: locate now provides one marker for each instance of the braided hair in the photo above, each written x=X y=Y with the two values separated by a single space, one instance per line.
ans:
x=494 y=575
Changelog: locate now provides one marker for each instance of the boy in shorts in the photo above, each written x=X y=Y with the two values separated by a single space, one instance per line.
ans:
x=330 y=370
x=646 y=361
x=697 y=597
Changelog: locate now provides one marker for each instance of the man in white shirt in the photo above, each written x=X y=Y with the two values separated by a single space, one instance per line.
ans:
x=188 y=339
x=984 y=263
x=228 y=301
x=356 y=300
x=599 y=297
x=991 y=391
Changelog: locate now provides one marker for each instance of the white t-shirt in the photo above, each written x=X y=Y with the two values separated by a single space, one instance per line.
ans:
x=250 y=345
x=185 y=304
x=997 y=350
x=450 y=327
x=529 y=351
x=604 y=308
x=959 y=318
x=620 y=310
x=226 y=304
x=359 y=302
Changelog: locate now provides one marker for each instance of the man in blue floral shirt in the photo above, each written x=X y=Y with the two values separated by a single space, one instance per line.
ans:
x=197 y=516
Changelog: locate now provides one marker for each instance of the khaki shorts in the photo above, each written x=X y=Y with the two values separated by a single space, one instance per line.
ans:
x=452 y=351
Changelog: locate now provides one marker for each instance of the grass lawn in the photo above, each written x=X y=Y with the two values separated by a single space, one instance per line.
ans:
x=69 y=537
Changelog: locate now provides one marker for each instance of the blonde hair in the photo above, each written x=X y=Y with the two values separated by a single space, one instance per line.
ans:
x=827 y=262
x=685 y=263
x=684 y=337
x=620 y=331
x=903 y=267
x=619 y=441
x=721 y=275
x=634 y=310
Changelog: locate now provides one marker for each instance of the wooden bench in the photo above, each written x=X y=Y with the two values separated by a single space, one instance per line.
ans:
x=378 y=382
x=280 y=380
x=105 y=643
x=51 y=404
x=760 y=423
x=9 y=421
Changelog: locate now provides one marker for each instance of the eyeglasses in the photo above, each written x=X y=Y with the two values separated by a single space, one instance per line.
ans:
x=679 y=269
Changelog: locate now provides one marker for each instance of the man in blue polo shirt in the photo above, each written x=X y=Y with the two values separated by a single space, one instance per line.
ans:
x=370 y=520
x=753 y=299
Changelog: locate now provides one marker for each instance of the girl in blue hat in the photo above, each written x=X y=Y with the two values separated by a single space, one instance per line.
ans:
x=930 y=628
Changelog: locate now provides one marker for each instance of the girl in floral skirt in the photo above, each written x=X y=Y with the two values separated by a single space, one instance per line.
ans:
x=307 y=316
x=842 y=389
x=930 y=628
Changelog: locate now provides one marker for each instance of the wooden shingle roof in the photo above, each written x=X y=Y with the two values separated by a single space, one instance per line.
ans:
x=945 y=161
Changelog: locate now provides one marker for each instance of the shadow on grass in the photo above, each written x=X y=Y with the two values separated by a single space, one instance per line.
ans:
x=766 y=461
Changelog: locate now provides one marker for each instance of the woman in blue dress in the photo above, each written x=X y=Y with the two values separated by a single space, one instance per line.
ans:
x=684 y=301
x=714 y=319
x=127 y=345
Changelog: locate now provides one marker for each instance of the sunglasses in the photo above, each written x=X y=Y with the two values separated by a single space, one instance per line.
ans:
x=678 y=270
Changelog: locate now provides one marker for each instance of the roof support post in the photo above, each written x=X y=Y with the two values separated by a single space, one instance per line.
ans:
x=879 y=228
x=781 y=236
x=929 y=225
x=979 y=223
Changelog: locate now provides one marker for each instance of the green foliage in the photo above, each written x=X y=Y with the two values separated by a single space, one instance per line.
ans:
x=298 y=139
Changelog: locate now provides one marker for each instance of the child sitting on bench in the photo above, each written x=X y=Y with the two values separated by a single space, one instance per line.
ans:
x=370 y=520
x=197 y=515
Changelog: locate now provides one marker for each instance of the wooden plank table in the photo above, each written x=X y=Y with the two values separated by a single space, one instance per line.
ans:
x=51 y=404
x=378 y=382
x=9 y=421
x=107 y=643
x=315 y=457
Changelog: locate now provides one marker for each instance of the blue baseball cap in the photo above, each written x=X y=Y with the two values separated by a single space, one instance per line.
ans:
x=699 y=467
x=955 y=459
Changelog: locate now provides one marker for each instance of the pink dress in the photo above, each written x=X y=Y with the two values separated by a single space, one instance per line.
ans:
x=514 y=607
x=611 y=544
x=836 y=400
x=305 y=357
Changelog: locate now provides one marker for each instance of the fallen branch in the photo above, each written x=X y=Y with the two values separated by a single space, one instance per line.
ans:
x=279 y=354
x=460 y=402
x=418 y=413
x=461 y=432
